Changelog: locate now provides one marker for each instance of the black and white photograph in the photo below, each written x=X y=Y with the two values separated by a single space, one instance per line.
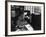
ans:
x=25 y=18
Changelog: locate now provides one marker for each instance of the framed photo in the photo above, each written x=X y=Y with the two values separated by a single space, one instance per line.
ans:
x=24 y=18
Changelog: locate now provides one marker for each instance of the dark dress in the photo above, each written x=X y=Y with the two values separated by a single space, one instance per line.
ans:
x=18 y=11
x=13 y=24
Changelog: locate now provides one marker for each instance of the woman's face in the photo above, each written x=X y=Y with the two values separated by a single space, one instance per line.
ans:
x=13 y=13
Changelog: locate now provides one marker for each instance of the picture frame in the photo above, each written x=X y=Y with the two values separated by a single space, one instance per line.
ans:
x=8 y=9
